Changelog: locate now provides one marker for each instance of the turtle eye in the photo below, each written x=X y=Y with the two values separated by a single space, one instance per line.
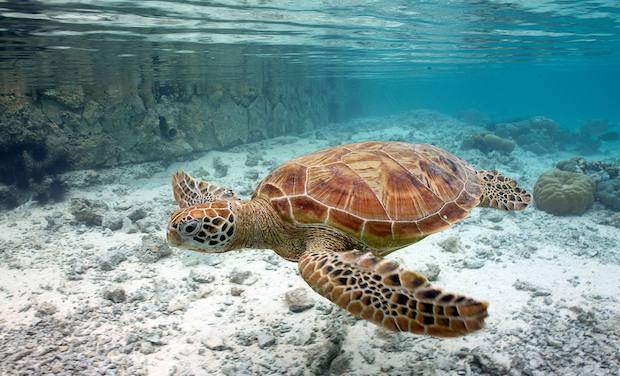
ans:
x=190 y=227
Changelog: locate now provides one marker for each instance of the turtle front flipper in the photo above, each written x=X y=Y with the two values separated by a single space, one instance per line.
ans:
x=381 y=291
x=189 y=191
x=501 y=192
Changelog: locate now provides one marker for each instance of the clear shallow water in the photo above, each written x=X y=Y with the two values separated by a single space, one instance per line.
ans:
x=505 y=58
x=211 y=88
x=345 y=37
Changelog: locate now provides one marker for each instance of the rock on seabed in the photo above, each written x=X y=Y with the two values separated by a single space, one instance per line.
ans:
x=298 y=300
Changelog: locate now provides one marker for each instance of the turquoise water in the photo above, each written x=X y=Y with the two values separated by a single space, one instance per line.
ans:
x=103 y=102
x=506 y=58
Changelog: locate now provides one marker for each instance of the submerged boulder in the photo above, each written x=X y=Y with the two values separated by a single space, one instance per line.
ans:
x=564 y=193
x=298 y=300
x=487 y=142
x=11 y=197
x=608 y=193
x=539 y=134
x=152 y=250
x=575 y=164
x=88 y=212
x=597 y=170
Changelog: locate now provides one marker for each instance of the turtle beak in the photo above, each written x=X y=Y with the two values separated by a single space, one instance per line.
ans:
x=173 y=237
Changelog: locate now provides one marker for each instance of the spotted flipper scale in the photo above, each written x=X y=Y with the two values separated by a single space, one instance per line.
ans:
x=501 y=192
x=381 y=291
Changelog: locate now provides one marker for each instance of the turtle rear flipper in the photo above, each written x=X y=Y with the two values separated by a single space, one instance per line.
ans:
x=501 y=192
x=189 y=191
x=381 y=291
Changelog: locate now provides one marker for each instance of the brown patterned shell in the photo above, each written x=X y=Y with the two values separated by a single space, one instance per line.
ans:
x=388 y=194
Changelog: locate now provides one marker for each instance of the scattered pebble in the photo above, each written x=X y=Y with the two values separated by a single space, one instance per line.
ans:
x=136 y=213
x=116 y=295
x=527 y=286
x=129 y=227
x=450 y=244
x=46 y=309
x=298 y=300
x=431 y=272
x=241 y=277
x=152 y=250
x=201 y=276
x=252 y=159
x=88 y=212
x=236 y=291
x=265 y=340
x=177 y=304
x=214 y=343
x=111 y=259
x=473 y=264
x=148 y=225
x=112 y=220
x=221 y=169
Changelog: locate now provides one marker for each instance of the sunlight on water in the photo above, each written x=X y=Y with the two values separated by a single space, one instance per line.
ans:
x=336 y=35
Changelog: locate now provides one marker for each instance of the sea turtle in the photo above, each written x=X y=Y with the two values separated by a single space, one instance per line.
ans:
x=338 y=211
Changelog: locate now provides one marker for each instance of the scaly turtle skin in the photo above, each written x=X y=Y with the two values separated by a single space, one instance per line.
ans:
x=336 y=212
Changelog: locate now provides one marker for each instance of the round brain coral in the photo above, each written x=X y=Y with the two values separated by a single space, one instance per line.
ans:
x=564 y=193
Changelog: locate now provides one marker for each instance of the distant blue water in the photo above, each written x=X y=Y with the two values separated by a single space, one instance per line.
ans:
x=570 y=96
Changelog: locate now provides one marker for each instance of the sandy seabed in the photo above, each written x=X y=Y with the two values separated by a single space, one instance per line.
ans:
x=101 y=293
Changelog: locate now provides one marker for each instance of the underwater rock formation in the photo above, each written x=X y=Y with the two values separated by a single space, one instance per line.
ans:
x=587 y=139
x=597 y=170
x=593 y=134
x=127 y=122
x=88 y=212
x=474 y=117
x=539 y=134
x=606 y=176
x=564 y=193
x=575 y=164
x=10 y=196
x=608 y=193
x=47 y=131
x=28 y=168
x=610 y=220
x=487 y=142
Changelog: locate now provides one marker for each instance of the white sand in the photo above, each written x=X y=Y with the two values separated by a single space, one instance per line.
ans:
x=531 y=246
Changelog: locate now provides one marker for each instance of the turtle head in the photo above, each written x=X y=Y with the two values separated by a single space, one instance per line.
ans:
x=206 y=221
x=207 y=227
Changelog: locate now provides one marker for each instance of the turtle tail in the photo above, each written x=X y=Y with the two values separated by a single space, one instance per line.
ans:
x=501 y=192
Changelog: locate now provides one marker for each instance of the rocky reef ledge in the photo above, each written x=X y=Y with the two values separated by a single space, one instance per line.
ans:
x=93 y=127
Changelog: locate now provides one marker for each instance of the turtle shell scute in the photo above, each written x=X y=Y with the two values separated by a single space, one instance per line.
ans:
x=387 y=194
